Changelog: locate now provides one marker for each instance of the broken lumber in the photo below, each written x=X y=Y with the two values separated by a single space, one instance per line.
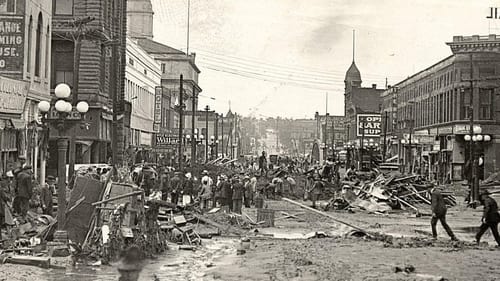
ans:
x=405 y=203
x=323 y=214
x=42 y=262
x=228 y=229
x=117 y=197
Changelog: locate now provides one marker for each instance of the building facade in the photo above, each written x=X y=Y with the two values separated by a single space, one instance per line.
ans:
x=142 y=76
x=25 y=42
x=100 y=74
x=433 y=110
x=332 y=132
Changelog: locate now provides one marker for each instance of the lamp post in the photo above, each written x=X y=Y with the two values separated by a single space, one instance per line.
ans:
x=64 y=115
x=475 y=139
x=207 y=109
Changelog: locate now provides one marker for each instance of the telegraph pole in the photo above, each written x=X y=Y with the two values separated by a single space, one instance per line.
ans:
x=333 y=137
x=384 y=148
x=473 y=165
x=181 y=123
x=193 y=140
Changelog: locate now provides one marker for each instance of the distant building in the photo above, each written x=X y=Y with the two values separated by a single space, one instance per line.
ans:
x=142 y=75
x=332 y=130
x=25 y=69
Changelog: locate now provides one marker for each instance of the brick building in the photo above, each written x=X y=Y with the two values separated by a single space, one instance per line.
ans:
x=101 y=73
x=25 y=42
x=432 y=106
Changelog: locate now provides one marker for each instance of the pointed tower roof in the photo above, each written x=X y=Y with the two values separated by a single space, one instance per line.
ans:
x=353 y=74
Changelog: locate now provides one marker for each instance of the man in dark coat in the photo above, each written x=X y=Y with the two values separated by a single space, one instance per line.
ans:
x=24 y=190
x=175 y=187
x=490 y=219
x=225 y=193
x=438 y=207
x=238 y=191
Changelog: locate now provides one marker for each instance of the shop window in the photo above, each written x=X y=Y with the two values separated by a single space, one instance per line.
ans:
x=63 y=7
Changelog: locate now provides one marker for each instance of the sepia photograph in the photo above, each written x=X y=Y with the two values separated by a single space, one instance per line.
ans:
x=249 y=140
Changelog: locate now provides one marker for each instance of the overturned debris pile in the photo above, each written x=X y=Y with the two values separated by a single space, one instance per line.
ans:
x=387 y=193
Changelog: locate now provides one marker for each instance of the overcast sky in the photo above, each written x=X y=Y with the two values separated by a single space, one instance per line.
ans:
x=281 y=57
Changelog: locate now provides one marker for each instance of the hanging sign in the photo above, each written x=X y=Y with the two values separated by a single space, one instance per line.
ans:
x=370 y=124
x=13 y=95
x=158 y=109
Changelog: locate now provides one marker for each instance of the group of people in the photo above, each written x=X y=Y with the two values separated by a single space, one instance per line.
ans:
x=230 y=192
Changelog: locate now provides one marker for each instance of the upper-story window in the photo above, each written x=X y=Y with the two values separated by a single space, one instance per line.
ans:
x=7 y=6
x=38 y=44
x=63 y=7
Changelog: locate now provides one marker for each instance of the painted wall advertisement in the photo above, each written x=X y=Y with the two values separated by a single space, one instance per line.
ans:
x=11 y=46
x=158 y=109
x=370 y=124
x=13 y=95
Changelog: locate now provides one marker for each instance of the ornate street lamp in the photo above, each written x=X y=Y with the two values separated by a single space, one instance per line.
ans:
x=475 y=140
x=64 y=115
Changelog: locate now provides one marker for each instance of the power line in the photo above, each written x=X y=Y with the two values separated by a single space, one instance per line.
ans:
x=307 y=81
x=267 y=79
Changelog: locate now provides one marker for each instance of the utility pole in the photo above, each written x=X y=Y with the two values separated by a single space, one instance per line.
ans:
x=181 y=123
x=333 y=137
x=473 y=165
x=77 y=39
x=384 y=148
x=207 y=137
x=222 y=133
x=362 y=144
x=216 y=135
x=193 y=124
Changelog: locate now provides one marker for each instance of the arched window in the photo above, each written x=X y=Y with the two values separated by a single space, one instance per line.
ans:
x=38 y=56
x=30 y=28
x=47 y=52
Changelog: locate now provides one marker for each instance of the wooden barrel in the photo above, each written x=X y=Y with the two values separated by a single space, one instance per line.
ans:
x=267 y=216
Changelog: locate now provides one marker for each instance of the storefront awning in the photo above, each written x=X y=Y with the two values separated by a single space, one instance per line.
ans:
x=18 y=124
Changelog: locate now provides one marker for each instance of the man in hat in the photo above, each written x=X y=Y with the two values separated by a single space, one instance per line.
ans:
x=238 y=191
x=248 y=191
x=175 y=187
x=490 y=219
x=24 y=190
x=210 y=182
x=438 y=207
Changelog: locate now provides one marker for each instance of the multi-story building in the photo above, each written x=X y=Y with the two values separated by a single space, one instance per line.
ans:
x=433 y=106
x=332 y=130
x=25 y=45
x=361 y=107
x=101 y=74
x=142 y=76
x=302 y=133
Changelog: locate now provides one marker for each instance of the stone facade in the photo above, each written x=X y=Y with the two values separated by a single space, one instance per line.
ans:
x=101 y=73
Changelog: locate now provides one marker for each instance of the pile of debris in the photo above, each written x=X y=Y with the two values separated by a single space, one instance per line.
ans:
x=388 y=193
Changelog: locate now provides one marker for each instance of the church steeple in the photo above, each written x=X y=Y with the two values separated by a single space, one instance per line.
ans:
x=140 y=19
x=352 y=76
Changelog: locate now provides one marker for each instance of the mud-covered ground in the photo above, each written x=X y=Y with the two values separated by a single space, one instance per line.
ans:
x=288 y=256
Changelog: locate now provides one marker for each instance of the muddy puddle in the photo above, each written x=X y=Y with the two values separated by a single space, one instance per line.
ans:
x=174 y=265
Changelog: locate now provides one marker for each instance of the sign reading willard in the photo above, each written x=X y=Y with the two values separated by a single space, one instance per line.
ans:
x=166 y=140
x=11 y=46
x=370 y=123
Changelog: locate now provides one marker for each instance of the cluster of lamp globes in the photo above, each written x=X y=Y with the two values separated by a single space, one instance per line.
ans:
x=477 y=136
x=62 y=92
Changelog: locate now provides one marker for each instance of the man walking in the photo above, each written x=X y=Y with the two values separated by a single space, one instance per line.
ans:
x=490 y=219
x=24 y=190
x=175 y=187
x=438 y=207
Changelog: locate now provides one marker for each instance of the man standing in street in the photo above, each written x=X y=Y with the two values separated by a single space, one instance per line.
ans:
x=238 y=190
x=491 y=217
x=438 y=207
x=262 y=163
x=210 y=182
x=24 y=190
x=175 y=187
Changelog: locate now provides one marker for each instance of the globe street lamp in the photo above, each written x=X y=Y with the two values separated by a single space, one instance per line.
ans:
x=64 y=115
x=476 y=139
